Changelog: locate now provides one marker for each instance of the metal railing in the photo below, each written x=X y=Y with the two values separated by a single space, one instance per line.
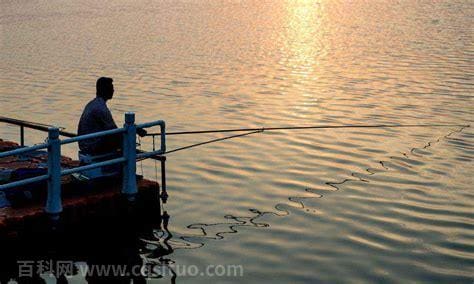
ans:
x=53 y=145
x=32 y=125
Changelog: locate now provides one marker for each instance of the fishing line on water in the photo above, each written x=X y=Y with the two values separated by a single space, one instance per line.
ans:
x=295 y=199
x=299 y=200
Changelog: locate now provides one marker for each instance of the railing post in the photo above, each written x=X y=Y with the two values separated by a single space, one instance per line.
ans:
x=53 y=202
x=129 y=186
x=163 y=137
x=163 y=173
x=22 y=135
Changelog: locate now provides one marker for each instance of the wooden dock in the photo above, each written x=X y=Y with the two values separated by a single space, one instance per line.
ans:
x=81 y=200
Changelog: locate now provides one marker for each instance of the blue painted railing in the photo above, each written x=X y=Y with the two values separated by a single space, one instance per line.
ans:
x=53 y=145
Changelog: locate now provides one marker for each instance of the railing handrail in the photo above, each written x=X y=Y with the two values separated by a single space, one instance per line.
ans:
x=53 y=144
x=162 y=150
x=23 y=150
x=34 y=125
x=78 y=138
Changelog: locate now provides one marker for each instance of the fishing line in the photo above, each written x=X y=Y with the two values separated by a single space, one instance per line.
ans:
x=280 y=211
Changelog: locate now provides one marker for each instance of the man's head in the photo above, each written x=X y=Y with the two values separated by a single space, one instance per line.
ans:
x=104 y=88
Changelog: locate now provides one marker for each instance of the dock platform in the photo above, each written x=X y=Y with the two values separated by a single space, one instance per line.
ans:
x=80 y=200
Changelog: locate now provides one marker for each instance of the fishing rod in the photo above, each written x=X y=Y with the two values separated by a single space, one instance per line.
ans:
x=212 y=141
x=44 y=127
x=250 y=131
x=262 y=129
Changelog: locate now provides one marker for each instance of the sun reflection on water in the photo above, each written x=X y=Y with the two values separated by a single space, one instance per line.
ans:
x=304 y=50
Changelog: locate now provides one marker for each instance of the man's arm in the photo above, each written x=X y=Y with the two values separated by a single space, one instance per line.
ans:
x=141 y=132
x=107 y=120
x=112 y=142
x=109 y=123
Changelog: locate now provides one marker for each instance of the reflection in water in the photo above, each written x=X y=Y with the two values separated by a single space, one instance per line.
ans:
x=303 y=39
x=158 y=247
x=191 y=241
x=100 y=249
x=302 y=51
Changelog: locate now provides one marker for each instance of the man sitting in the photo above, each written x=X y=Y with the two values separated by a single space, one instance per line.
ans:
x=97 y=117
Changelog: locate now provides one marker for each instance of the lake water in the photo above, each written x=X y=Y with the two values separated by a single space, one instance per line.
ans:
x=336 y=205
